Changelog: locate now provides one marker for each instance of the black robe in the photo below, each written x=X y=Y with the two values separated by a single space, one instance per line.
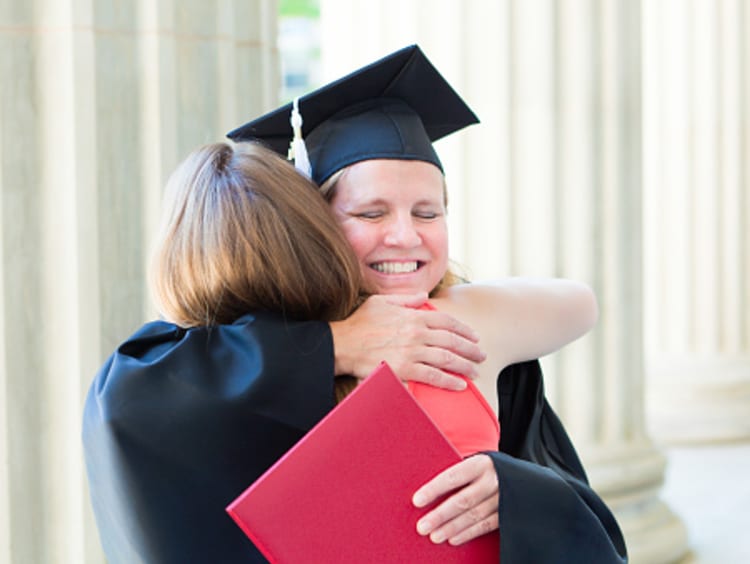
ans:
x=178 y=423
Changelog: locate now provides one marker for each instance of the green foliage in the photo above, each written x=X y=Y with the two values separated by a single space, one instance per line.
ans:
x=299 y=8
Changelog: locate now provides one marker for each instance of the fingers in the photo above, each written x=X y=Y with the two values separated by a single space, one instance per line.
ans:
x=479 y=521
x=419 y=345
x=435 y=319
x=459 y=475
x=445 y=353
x=445 y=322
x=461 y=347
x=474 y=523
x=470 y=512
x=434 y=368
x=446 y=345
x=436 y=377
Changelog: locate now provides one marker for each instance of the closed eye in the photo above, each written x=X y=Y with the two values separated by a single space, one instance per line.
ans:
x=370 y=215
x=426 y=215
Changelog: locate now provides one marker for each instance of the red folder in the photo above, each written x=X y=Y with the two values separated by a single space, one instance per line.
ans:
x=343 y=493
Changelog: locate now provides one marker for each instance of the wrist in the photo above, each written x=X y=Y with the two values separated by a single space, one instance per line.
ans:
x=341 y=362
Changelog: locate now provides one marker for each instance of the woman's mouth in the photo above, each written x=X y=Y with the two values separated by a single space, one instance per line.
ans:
x=396 y=267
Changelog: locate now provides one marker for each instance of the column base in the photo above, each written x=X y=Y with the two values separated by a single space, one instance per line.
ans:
x=629 y=479
x=698 y=398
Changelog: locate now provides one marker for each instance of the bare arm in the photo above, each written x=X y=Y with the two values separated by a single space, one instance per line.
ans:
x=418 y=345
x=522 y=318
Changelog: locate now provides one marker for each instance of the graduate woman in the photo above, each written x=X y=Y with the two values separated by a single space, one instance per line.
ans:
x=187 y=412
x=366 y=139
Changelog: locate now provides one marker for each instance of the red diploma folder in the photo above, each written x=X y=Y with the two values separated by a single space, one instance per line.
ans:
x=343 y=493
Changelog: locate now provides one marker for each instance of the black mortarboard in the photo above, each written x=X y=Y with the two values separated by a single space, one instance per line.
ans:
x=393 y=108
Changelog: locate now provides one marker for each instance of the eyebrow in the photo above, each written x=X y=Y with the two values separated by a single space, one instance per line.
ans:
x=384 y=202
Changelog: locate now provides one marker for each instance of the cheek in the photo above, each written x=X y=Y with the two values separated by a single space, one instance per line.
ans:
x=362 y=237
x=437 y=241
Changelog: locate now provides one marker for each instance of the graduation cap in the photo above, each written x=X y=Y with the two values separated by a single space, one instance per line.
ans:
x=393 y=108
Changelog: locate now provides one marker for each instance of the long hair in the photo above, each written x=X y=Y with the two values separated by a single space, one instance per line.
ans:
x=243 y=231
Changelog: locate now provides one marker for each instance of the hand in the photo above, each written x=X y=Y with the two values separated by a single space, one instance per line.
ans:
x=471 y=511
x=418 y=345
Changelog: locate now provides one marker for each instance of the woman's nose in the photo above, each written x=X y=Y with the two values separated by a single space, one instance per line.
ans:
x=402 y=233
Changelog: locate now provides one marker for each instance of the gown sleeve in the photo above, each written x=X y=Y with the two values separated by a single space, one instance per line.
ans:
x=548 y=513
x=177 y=423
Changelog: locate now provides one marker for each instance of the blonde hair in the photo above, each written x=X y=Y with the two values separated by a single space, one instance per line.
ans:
x=450 y=278
x=243 y=231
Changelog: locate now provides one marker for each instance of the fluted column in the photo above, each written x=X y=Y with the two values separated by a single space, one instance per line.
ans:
x=697 y=203
x=98 y=101
x=550 y=184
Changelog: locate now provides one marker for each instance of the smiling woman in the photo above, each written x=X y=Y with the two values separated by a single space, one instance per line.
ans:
x=399 y=235
x=396 y=175
x=371 y=134
x=248 y=267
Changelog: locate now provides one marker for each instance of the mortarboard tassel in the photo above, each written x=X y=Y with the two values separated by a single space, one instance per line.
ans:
x=298 y=150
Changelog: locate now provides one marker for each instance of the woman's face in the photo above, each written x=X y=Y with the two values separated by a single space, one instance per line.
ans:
x=393 y=214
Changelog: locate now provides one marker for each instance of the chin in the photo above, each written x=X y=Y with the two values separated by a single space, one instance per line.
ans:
x=413 y=284
x=399 y=288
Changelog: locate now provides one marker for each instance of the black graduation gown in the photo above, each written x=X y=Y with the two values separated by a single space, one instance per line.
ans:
x=548 y=513
x=178 y=423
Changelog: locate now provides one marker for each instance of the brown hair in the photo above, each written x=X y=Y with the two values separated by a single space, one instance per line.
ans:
x=242 y=231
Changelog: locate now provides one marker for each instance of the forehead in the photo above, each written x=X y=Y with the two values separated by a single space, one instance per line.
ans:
x=388 y=179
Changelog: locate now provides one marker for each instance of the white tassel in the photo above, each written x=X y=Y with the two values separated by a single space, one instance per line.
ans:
x=298 y=150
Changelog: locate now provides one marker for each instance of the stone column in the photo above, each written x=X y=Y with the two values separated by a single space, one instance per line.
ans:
x=98 y=101
x=550 y=184
x=697 y=282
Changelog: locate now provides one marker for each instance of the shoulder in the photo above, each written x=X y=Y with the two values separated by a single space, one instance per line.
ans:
x=237 y=367
x=477 y=299
x=161 y=357
x=159 y=340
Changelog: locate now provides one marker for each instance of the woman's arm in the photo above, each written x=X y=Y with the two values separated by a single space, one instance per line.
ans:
x=517 y=319
x=522 y=318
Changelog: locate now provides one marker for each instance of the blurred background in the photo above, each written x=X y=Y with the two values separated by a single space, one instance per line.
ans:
x=614 y=149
